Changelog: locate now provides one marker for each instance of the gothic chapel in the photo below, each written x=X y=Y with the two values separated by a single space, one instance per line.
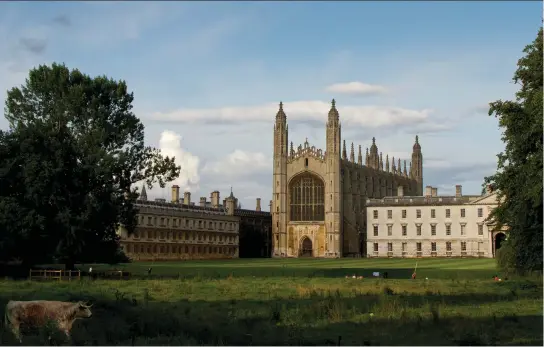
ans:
x=318 y=202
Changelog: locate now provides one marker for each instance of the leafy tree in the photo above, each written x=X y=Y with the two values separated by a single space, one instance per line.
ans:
x=70 y=161
x=519 y=171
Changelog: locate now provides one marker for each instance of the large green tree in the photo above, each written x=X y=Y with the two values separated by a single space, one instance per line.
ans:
x=519 y=172
x=68 y=165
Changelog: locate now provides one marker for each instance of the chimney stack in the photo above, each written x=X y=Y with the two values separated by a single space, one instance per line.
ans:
x=175 y=193
x=202 y=201
x=187 y=198
x=258 y=207
x=215 y=199
x=434 y=191
x=400 y=191
x=428 y=191
x=230 y=204
x=458 y=190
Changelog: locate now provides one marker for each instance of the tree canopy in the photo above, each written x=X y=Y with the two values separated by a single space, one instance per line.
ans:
x=68 y=165
x=519 y=171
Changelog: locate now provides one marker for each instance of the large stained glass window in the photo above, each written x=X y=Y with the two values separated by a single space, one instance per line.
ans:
x=307 y=198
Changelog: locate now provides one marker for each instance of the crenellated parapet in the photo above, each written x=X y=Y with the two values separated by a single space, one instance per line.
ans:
x=305 y=150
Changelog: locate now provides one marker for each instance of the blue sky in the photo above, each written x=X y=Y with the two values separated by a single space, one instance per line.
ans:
x=207 y=77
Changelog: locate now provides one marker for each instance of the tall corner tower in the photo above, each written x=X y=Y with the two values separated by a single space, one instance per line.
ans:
x=417 y=166
x=333 y=186
x=279 y=184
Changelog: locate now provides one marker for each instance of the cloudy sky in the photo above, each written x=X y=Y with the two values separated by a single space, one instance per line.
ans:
x=208 y=77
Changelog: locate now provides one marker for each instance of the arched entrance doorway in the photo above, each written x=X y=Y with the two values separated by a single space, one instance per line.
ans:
x=499 y=238
x=306 y=247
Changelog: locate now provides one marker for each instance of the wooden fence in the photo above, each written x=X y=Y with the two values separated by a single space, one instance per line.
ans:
x=54 y=275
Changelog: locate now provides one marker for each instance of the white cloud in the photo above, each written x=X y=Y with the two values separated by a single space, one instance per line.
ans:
x=239 y=164
x=362 y=116
x=356 y=88
x=170 y=145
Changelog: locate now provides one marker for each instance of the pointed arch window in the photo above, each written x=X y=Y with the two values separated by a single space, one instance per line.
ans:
x=307 y=198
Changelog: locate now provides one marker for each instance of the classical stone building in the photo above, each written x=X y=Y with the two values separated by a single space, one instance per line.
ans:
x=180 y=229
x=433 y=225
x=318 y=203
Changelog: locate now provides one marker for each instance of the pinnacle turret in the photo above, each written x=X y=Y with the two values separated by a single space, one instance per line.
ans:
x=360 y=157
x=344 y=153
x=143 y=194
x=333 y=113
x=373 y=148
x=380 y=163
x=417 y=146
x=280 y=115
x=416 y=166
x=352 y=154
x=387 y=162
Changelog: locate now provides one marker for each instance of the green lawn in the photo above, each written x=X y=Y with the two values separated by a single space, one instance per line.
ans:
x=436 y=268
x=299 y=302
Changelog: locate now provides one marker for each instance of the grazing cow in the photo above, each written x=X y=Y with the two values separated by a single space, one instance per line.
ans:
x=37 y=313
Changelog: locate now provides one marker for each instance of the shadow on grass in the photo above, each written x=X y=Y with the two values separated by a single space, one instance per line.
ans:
x=308 y=272
x=313 y=318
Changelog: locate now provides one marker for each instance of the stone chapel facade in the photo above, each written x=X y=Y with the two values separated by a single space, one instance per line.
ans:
x=318 y=203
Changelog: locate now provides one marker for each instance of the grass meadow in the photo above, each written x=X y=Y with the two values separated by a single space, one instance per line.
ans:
x=295 y=302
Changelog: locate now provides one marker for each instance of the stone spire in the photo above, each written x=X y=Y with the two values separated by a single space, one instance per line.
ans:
x=344 y=153
x=417 y=146
x=399 y=168
x=352 y=154
x=380 y=163
x=410 y=171
x=360 y=157
x=281 y=141
x=387 y=162
x=416 y=170
x=143 y=194
x=393 y=167
x=405 y=172
x=374 y=148
x=292 y=149
x=374 y=156
x=367 y=159
x=333 y=113
x=280 y=116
